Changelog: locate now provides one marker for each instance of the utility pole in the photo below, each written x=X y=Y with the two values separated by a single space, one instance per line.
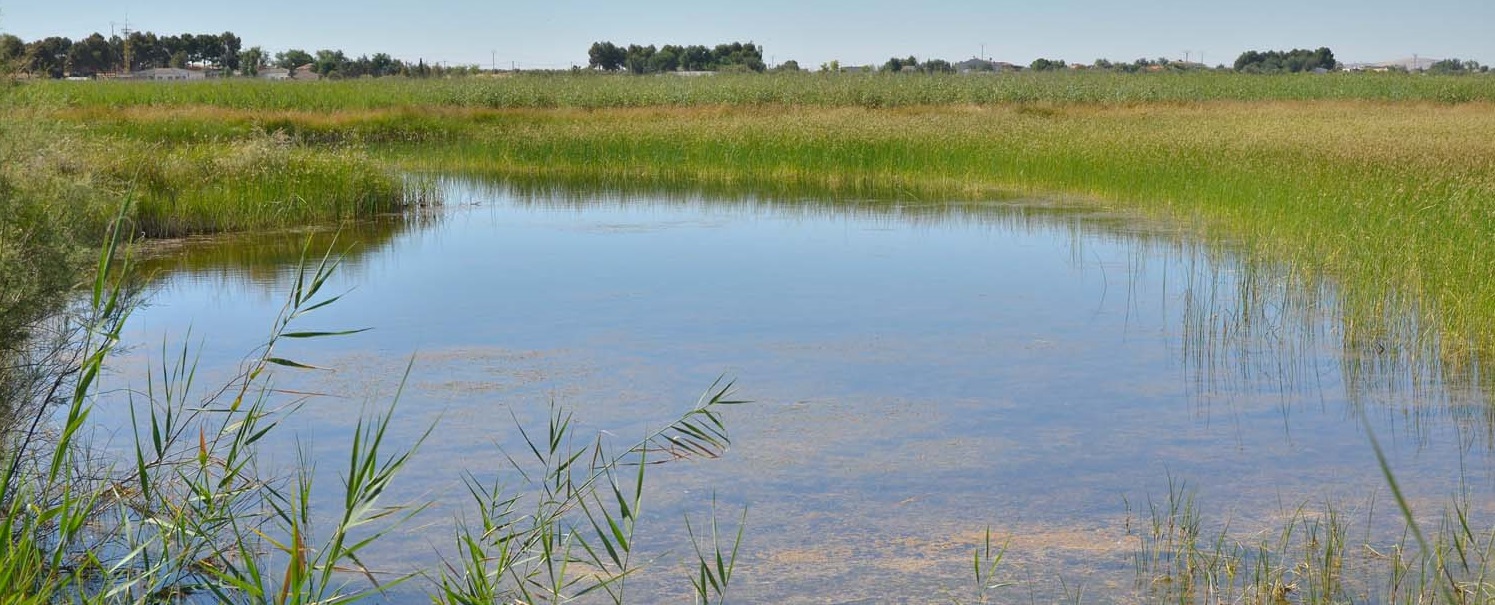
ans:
x=493 y=60
x=129 y=48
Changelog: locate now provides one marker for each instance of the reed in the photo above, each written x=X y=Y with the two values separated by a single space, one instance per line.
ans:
x=590 y=91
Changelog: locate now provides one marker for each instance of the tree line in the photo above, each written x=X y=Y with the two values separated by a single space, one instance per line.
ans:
x=58 y=57
x=1292 y=61
x=736 y=56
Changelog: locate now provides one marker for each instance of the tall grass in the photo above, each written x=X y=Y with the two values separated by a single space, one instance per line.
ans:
x=591 y=91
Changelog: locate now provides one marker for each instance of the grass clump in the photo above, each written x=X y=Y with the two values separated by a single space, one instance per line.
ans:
x=261 y=183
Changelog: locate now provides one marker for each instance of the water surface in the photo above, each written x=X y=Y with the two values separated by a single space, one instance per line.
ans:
x=919 y=372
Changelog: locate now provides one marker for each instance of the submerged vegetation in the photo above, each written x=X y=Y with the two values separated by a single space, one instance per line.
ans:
x=1381 y=184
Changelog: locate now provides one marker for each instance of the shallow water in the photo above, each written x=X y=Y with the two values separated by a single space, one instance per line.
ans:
x=918 y=373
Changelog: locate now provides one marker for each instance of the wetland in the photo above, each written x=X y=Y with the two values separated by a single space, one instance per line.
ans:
x=1202 y=339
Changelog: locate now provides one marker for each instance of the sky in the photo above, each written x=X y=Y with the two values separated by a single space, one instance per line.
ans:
x=557 y=33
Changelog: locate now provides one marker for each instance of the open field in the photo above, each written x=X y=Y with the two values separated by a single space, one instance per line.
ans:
x=1381 y=185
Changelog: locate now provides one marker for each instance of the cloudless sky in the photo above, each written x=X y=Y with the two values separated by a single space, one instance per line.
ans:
x=557 y=33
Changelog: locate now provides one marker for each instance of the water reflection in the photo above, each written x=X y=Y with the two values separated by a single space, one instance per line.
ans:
x=268 y=261
x=922 y=369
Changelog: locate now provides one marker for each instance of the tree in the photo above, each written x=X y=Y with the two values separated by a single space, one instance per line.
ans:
x=146 y=51
x=637 y=58
x=746 y=55
x=48 y=56
x=12 y=50
x=251 y=61
x=229 y=57
x=91 y=56
x=937 y=66
x=606 y=56
x=667 y=58
x=383 y=65
x=790 y=65
x=330 y=63
x=293 y=59
x=1456 y=66
x=1048 y=64
x=697 y=58
x=1296 y=60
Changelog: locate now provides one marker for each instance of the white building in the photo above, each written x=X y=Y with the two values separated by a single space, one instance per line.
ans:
x=165 y=74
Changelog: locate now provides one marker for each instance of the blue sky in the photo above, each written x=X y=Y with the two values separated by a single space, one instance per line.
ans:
x=556 y=34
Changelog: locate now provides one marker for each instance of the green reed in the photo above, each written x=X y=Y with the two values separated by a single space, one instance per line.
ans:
x=590 y=90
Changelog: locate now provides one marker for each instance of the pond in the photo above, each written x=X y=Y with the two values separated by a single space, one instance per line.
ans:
x=918 y=372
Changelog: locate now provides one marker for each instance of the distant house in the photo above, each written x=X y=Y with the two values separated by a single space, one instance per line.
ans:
x=306 y=72
x=274 y=73
x=166 y=74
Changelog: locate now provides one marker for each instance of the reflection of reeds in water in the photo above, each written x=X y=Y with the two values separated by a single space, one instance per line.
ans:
x=1251 y=326
x=269 y=259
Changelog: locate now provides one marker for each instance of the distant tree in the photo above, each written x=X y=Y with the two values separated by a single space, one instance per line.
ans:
x=1296 y=60
x=251 y=61
x=48 y=56
x=1047 y=64
x=747 y=55
x=1456 y=66
x=293 y=59
x=636 y=59
x=330 y=63
x=146 y=51
x=896 y=65
x=230 y=45
x=832 y=67
x=790 y=65
x=666 y=59
x=606 y=56
x=381 y=64
x=207 y=49
x=936 y=66
x=697 y=58
x=12 y=50
x=91 y=56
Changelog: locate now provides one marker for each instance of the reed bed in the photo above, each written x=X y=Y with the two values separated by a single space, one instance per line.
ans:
x=586 y=90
